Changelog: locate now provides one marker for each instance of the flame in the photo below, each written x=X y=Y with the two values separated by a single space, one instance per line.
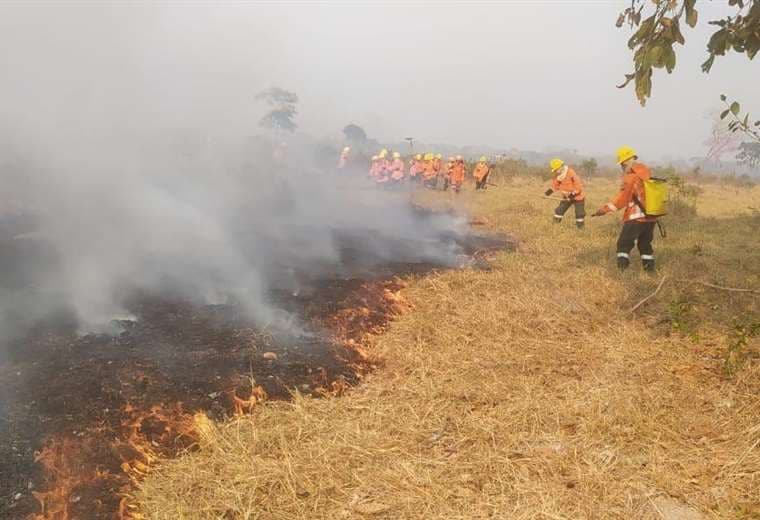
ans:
x=145 y=434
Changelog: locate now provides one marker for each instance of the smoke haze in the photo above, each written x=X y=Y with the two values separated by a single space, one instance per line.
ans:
x=129 y=131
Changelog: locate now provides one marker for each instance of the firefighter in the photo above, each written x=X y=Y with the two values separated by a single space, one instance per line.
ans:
x=383 y=168
x=415 y=168
x=373 y=167
x=481 y=173
x=457 y=174
x=429 y=177
x=567 y=182
x=638 y=228
x=343 y=160
x=396 y=169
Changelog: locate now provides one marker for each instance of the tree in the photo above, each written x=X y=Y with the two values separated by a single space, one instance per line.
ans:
x=655 y=36
x=722 y=141
x=589 y=166
x=283 y=109
x=355 y=134
x=749 y=154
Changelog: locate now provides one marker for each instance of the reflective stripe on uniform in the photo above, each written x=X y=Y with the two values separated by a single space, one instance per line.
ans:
x=558 y=217
x=623 y=255
x=647 y=257
x=579 y=220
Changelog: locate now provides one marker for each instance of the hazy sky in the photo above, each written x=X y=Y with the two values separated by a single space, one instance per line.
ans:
x=525 y=74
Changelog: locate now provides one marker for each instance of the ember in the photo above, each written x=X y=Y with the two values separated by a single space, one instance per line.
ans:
x=86 y=416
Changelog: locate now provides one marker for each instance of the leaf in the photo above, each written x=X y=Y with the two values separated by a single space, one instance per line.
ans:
x=691 y=16
x=724 y=114
x=670 y=59
x=735 y=108
x=722 y=97
x=676 y=31
x=620 y=20
x=746 y=119
x=628 y=79
x=707 y=65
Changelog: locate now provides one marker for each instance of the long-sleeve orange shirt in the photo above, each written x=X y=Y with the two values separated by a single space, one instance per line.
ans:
x=457 y=173
x=630 y=198
x=481 y=170
x=568 y=184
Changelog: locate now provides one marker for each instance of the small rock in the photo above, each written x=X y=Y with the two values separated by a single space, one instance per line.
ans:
x=17 y=496
x=271 y=356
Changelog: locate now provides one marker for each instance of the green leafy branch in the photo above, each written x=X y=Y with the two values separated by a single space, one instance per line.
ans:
x=656 y=35
x=749 y=128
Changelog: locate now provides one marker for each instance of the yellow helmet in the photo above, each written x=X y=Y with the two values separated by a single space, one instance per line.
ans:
x=624 y=153
x=396 y=155
x=482 y=158
x=383 y=153
x=347 y=149
x=459 y=158
x=451 y=158
x=375 y=157
x=439 y=156
x=418 y=157
x=428 y=156
x=556 y=164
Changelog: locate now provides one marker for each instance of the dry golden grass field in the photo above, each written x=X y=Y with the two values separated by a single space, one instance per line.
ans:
x=528 y=391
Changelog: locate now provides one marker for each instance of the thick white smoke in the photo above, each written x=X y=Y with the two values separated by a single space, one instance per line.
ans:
x=141 y=173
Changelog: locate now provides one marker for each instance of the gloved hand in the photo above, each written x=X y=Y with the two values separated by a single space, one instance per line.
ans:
x=599 y=213
x=548 y=192
x=571 y=195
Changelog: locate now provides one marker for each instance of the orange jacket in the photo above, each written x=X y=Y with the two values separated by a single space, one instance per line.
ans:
x=428 y=170
x=631 y=190
x=569 y=183
x=374 y=168
x=457 y=173
x=481 y=170
x=414 y=168
x=397 y=169
x=437 y=164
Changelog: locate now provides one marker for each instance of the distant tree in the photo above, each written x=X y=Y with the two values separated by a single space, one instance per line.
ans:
x=721 y=141
x=749 y=154
x=660 y=30
x=589 y=166
x=355 y=134
x=283 y=109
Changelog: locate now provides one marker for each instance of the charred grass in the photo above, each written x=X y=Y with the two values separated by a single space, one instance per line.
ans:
x=528 y=391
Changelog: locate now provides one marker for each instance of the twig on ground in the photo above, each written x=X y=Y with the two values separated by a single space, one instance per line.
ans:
x=732 y=289
x=642 y=302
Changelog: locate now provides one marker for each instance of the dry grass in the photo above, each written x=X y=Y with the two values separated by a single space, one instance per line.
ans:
x=525 y=392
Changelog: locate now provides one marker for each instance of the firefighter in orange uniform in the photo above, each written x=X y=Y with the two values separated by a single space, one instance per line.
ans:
x=428 y=171
x=415 y=168
x=396 y=169
x=481 y=173
x=638 y=228
x=567 y=182
x=457 y=174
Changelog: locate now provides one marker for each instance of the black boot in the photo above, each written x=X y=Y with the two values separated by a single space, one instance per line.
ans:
x=623 y=262
x=580 y=223
x=557 y=219
x=648 y=265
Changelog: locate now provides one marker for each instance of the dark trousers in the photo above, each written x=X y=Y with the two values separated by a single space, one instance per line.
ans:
x=580 y=211
x=482 y=183
x=641 y=234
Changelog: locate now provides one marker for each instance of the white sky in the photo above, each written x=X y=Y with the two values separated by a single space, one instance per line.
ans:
x=523 y=74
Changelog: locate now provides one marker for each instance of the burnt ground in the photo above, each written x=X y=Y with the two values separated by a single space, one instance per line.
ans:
x=80 y=416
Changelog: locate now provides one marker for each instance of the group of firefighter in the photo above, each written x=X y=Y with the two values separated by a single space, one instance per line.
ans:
x=389 y=169
x=641 y=196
